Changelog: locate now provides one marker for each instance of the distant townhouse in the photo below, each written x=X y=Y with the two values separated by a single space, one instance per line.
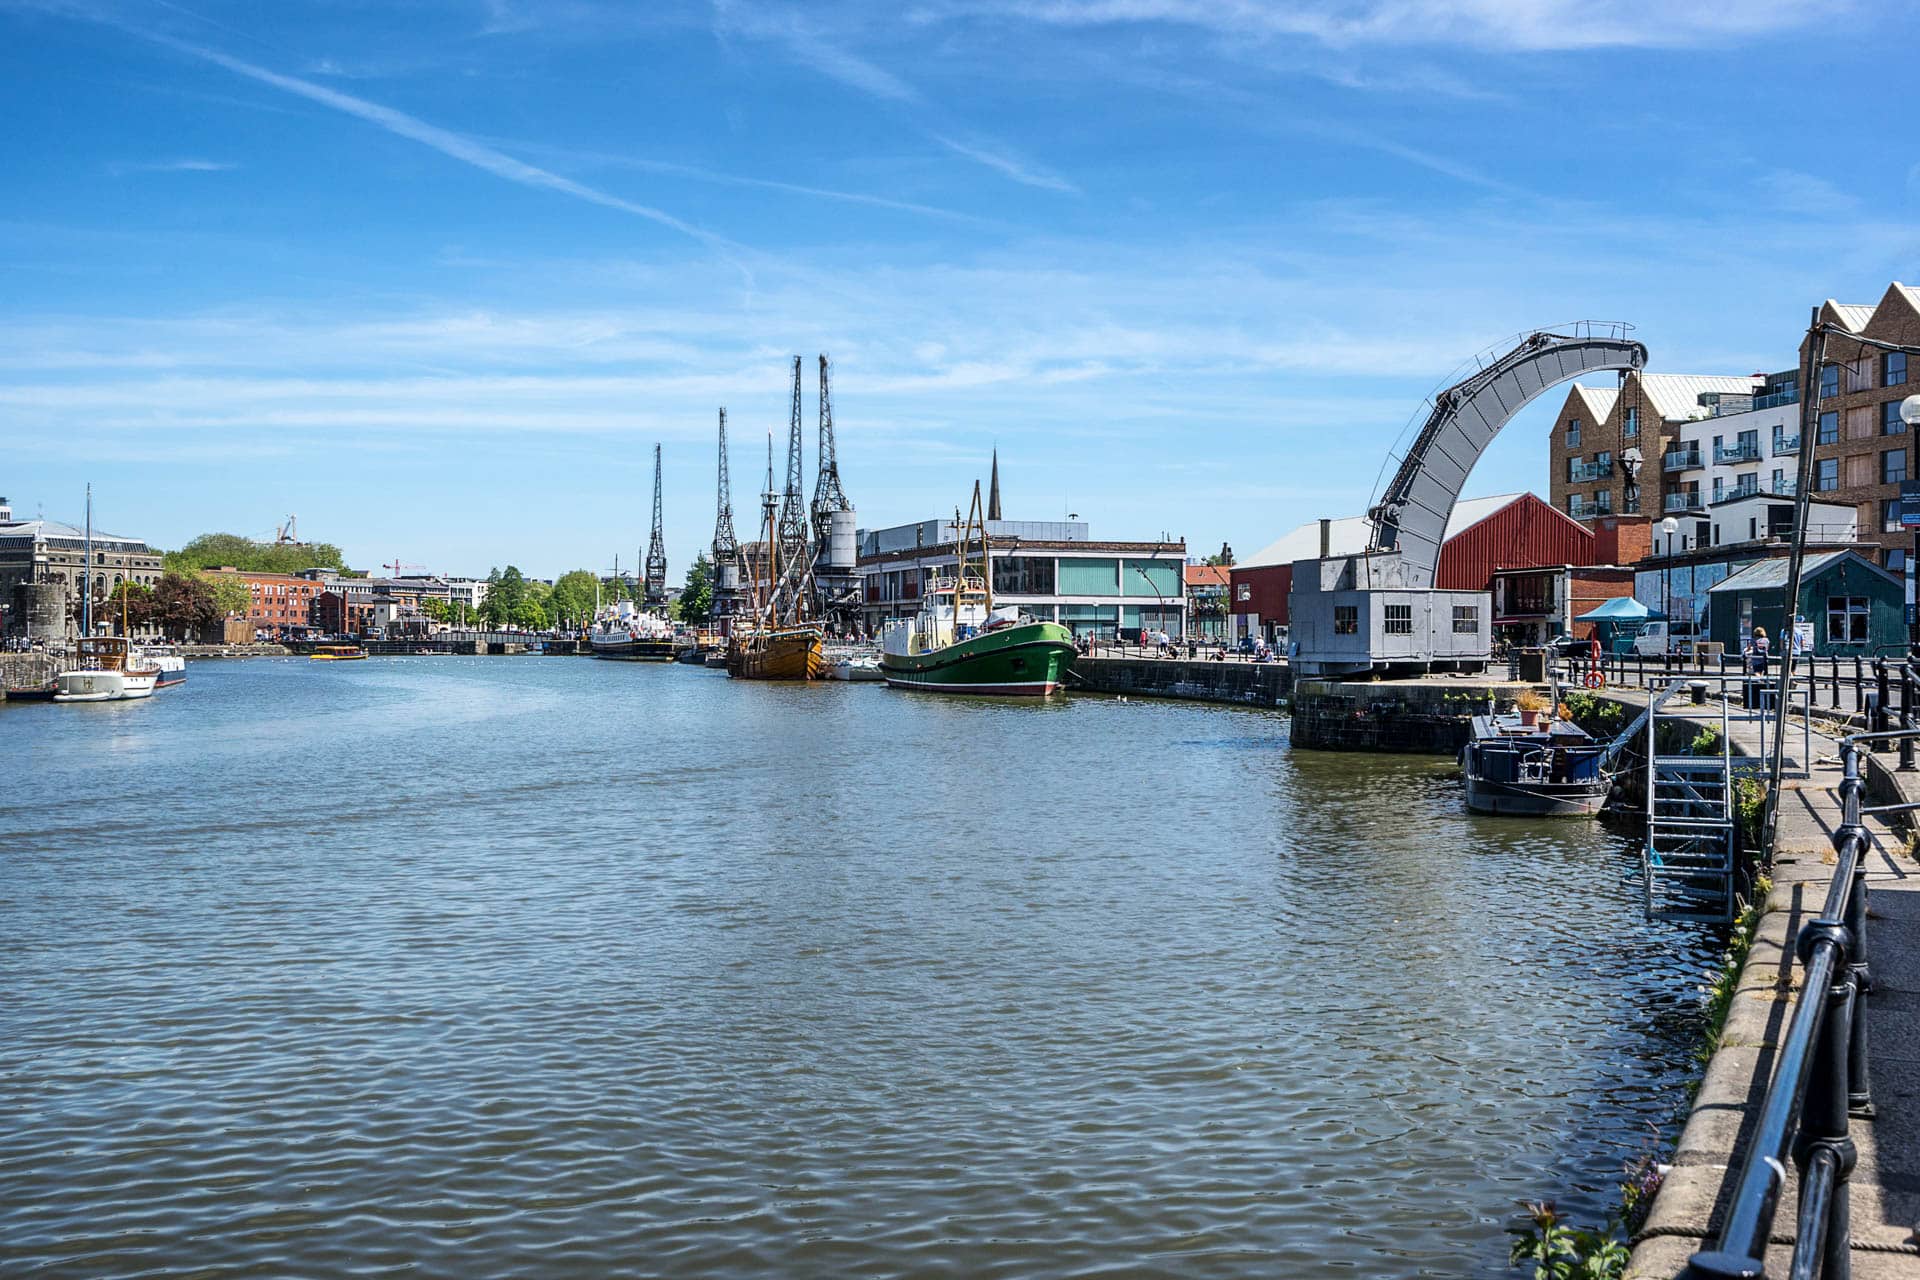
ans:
x=1860 y=448
x=1637 y=449
x=275 y=601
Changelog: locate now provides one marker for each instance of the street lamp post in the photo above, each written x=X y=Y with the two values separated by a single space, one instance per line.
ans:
x=1669 y=526
x=1910 y=414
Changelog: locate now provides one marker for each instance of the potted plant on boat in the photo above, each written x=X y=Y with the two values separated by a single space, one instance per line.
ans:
x=1531 y=706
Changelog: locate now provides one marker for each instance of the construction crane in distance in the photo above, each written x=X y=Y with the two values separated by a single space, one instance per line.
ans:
x=284 y=535
x=400 y=570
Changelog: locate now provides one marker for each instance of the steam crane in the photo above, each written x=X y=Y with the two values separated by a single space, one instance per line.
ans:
x=834 y=552
x=726 y=549
x=796 y=559
x=656 y=546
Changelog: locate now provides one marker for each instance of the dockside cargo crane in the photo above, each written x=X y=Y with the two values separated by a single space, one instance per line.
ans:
x=726 y=548
x=656 y=569
x=793 y=591
x=833 y=525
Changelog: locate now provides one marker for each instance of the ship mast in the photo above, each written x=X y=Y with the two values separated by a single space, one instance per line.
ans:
x=656 y=546
x=769 y=503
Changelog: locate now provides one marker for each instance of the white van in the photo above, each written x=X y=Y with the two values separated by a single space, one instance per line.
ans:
x=1652 y=639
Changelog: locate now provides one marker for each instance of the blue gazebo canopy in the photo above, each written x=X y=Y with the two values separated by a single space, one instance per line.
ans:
x=1620 y=609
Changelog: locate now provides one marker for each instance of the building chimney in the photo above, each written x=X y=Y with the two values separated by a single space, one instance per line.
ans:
x=1326 y=537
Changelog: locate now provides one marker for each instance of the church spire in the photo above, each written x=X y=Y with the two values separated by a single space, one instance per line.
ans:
x=993 y=489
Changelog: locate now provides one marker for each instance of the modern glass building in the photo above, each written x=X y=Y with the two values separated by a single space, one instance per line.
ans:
x=1048 y=568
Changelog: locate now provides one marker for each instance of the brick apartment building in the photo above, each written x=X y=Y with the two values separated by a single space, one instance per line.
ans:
x=276 y=600
x=1591 y=473
x=1860 y=449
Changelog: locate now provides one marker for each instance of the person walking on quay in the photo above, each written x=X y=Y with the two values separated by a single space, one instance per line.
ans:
x=1757 y=651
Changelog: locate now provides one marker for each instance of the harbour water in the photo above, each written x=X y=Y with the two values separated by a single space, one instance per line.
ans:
x=477 y=966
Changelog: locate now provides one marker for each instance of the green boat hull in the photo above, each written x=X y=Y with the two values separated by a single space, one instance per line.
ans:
x=1026 y=660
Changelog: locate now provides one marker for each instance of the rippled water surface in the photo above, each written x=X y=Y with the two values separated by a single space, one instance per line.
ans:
x=552 y=967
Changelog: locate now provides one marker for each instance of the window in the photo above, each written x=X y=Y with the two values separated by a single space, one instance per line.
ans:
x=1023 y=575
x=1847 y=618
x=1631 y=427
x=1889 y=515
x=1826 y=475
x=1466 y=619
x=1719 y=488
x=1893 y=369
x=1573 y=470
x=1399 y=620
x=1603 y=501
x=1630 y=504
x=1829 y=381
x=1896 y=559
x=1829 y=428
x=1893 y=466
x=1891 y=423
x=1346 y=619
x=1573 y=433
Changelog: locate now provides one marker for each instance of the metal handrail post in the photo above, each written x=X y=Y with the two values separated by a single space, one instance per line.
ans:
x=1824 y=1124
x=1836 y=680
x=1851 y=840
x=1859 y=685
x=1906 y=717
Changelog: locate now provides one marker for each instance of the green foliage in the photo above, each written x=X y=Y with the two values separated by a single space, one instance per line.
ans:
x=1749 y=809
x=1601 y=717
x=214 y=550
x=1560 y=1251
x=139 y=606
x=573 y=595
x=183 y=605
x=1705 y=743
x=506 y=596
x=1720 y=987
x=447 y=611
x=695 y=605
x=230 y=595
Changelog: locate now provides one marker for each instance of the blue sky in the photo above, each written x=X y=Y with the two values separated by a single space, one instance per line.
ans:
x=436 y=275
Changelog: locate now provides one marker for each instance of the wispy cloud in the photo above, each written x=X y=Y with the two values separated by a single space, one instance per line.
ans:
x=122 y=168
x=456 y=145
x=1002 y=161
x=1533 y=25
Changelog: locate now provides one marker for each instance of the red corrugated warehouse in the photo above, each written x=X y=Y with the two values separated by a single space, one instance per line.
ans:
x=1511 y=531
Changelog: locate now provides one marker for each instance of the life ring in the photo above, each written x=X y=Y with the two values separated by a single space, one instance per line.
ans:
x=1596 y=679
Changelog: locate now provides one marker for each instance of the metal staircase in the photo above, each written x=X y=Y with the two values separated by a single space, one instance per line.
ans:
x=1688 y=862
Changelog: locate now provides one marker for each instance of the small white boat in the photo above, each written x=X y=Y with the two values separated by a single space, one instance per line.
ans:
x=107 y=672
x=858 y=666
x=172 y=667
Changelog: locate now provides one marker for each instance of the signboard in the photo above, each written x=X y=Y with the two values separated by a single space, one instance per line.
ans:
x=1910 y=615
x=1910 y=504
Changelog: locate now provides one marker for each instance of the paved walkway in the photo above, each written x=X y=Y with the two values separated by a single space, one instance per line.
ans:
x=1886 y=1183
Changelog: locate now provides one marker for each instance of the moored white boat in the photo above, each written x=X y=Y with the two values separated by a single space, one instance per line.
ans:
x=635 y=635
x=106 y=672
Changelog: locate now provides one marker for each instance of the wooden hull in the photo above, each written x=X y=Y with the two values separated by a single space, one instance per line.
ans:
x=794 y=654
x=104 y=686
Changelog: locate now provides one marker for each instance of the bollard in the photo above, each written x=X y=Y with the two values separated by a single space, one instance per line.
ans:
x=1885 y=692
x=1836 y=680
x=1859 y=685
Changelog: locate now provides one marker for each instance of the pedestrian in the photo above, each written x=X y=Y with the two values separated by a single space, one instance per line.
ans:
x=1757 y=651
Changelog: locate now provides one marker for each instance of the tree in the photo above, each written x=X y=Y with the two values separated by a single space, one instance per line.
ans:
x=441 y=610
x=214 y=550
x=183 y=605
x=571 y=601
x=695 y=605
x=138 y=610
x=506 y=592
x=230 y=594
x=1222 y=559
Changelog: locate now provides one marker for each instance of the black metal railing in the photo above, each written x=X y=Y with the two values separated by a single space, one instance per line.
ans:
x=1820 y=1078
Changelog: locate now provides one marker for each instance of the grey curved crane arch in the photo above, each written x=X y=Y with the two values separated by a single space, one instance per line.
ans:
x=1411 y=517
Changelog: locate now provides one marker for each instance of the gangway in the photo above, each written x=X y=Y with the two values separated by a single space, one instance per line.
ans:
x=1690 y=856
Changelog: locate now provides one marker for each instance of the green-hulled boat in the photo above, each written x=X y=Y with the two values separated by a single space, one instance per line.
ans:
x=958 y=643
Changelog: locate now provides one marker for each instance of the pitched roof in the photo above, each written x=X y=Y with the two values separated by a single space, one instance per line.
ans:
x=1350 y=534
x=1762 y=574
x=1599 y=400
x=39 y=529
x=1208 y=575
x=1853 y=315
x=1677 y=395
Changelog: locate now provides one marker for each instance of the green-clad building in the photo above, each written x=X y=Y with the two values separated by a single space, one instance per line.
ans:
x=1854 y=605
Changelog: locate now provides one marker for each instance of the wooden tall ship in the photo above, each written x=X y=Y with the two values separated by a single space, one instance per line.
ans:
x=784 y=641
